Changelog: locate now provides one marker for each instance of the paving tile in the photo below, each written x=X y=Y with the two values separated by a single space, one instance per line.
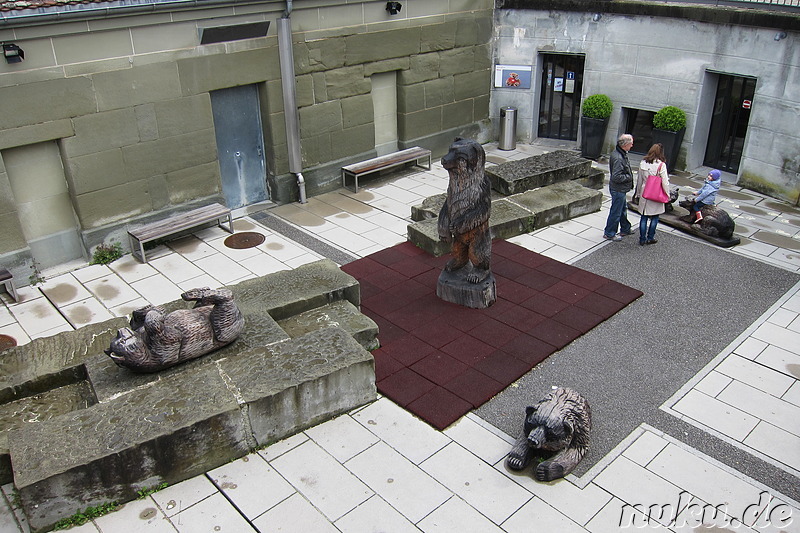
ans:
x=374 y=516
x=345 y=239
x=615 y=513
x=636 y=485
x=50 y=332
x=192 y=248
x=157 y=289
x=37 y=316
x=342 y=437
x=716 y=415
x=404 y=432
x=537 y=515
x=15 y=330
x=176 y=268
x=183 y=495
x=777 y=443
x=702 y=479
x=203 y=280
x=127 y=308
x=713 y=383
x=780 y=337
x=322 y=480
x=294 y=514
x=481 y=486
x=111 y=290
x=763 y=405
x=279 y=448
x=135 y=517
x=456 y=515
x=221 y=267
x=398 y=481
x=478 y=440
x=64 y=289
x=5 y=317
x=781 y=360
x=214 y=513
x=759 y=376
x=793 y=394
x=131 y=269
x=88 y=311
x=302 y=259
x=782 y=317
x=251 y=484
x=91 y=272
x=645 y=448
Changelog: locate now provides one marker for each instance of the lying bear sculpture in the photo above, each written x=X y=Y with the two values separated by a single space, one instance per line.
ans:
x=464 y=217
x=716 y=221
x=157 y=340
x=559 y=423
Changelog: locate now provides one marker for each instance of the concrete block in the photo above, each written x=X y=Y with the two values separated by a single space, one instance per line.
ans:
x=103 y=131
x=357 y=111
x=376 y=46
x=320 y=118
x=473 y=84
x=537 y=171
x=11 y=238
x=168 y=154
x=456 y=61
x=322 y=55
x=424 y=234
x=345 y=82
x=420 y=123
x=138 y=85
x=341 y=314
x=184 y=115
x=429 y=208
x=46 y=131
x=33 y=103
x=121 y=202
x=421 y=68
x=559 y=202
x=95 y=171
x=435 y=37
x=188 y=184
x=439 y=92
x=353 y=141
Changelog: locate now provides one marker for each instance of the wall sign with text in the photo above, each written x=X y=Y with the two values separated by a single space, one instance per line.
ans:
x=512 y=76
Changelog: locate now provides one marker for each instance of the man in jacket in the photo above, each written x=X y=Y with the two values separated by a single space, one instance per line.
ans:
x=620 y=182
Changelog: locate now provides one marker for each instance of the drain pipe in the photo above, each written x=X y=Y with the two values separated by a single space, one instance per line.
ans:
x=290 y=99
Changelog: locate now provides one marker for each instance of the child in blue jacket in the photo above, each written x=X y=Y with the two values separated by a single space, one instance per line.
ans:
x=707 y=195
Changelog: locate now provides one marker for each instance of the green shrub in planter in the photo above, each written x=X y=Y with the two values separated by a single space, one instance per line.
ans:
x=670 y=118
x=597 y=106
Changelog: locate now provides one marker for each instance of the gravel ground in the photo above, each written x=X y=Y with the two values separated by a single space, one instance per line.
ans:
x=697 y=300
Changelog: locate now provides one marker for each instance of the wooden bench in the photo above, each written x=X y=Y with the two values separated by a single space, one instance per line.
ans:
x=177 y=223
x=7 y=279
x=383 y=162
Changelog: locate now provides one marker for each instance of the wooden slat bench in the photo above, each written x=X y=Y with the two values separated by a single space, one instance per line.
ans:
x=177 y=223
x=7 y=279
x=383 y=162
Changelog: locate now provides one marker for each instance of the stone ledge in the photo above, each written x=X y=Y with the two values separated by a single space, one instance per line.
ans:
x=537 y=171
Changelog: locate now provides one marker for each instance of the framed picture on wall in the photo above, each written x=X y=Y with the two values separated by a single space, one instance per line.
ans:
x=512 y=76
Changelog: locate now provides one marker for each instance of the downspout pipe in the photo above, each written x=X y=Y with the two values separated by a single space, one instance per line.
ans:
x=290 y=114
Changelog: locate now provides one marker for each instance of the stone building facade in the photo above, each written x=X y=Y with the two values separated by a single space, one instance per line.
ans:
x=119 y=115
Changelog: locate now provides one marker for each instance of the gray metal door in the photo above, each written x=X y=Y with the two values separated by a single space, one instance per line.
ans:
x=240 y=145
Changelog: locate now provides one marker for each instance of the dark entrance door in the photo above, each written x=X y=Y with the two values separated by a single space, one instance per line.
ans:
x=729 y=122
x=560 y=100
x=240 y=145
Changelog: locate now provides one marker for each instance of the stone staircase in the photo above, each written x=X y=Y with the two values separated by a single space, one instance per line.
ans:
x=79 y=431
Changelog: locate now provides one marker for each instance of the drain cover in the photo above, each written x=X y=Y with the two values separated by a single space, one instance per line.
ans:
x=7 y=342
x=245 y=239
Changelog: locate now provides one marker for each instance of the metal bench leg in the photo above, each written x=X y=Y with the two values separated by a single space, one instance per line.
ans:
x=9 y=284
x=230 y=223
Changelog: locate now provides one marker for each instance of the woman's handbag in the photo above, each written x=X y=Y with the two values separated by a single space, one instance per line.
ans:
x=653 y=189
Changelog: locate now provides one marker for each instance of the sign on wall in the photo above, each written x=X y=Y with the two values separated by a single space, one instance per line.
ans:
x=512 y=76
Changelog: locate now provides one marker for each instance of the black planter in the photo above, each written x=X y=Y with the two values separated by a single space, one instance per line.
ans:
x=671 y=141
x=593 y=134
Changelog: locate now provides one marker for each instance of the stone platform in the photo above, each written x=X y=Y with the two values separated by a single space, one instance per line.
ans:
x=541 y=170
x=103 y=432
x=512 y=215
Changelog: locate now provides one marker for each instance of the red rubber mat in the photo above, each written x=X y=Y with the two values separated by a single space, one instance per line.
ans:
x=440 y=360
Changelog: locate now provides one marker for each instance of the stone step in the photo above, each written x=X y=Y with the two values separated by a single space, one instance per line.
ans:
x=342 y=314
x=186 y=423
x=537 y=171
x=512 y=215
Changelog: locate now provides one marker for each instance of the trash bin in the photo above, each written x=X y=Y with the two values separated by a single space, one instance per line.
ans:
x=508 y=128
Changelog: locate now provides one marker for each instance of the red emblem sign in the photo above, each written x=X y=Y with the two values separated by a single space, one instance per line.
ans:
x=746 y=104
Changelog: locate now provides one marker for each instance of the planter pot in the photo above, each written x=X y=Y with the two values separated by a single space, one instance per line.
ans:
x=671 y=141
x=593 y=134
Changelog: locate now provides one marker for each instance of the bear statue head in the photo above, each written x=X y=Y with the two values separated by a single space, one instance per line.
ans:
x=464 y=154
x=129 y=350
x=547 y=431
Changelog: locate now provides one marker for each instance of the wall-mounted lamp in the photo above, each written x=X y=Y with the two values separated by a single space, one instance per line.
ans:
x=13 y=53
x=393 y=7
x=780 y=35
x=596 y=17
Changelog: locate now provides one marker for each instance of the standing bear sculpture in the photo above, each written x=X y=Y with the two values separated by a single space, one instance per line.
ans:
x=556 y=428
x=157 y=340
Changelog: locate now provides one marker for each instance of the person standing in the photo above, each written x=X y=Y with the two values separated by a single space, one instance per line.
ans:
x=652 y=165
x=620 y=182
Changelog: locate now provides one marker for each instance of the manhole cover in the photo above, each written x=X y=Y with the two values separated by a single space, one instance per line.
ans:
x=7 y=342
x=245 y=239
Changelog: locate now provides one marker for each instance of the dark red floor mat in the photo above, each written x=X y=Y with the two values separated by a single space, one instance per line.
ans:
x=440 y=360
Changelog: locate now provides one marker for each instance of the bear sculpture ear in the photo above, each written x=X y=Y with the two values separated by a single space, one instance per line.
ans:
x=530 y=410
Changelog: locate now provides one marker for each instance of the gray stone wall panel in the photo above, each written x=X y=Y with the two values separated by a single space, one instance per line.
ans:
x=93 y=172
x=188 y=184
x=398 y=63
x=100 y=132
x=113 y=204
x=34 y=103
x=169 y=154
x=352 y=141
x=376 y=46
x=421 y=68
x=36 y=133
x=137 y=85
x=437 y=37
x=184 y=115
x=320 y=118
x=345 y=82
x=11 y=238
x=357 y=111
x=456 y=61
x=410 y=98
x=208 y=73
x=439 y=92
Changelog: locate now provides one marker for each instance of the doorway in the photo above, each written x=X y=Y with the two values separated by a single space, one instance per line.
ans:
x=384 y=102
x=560 y=96
x=726 y=135
x=639 y=123
x=240 y=145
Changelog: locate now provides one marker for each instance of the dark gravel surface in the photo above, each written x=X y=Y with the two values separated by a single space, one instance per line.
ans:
x=697 y=299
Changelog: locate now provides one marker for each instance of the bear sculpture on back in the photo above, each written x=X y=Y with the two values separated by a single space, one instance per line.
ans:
x=157 y=340
x=464 y=222
x=557 y=429
x=716 y=222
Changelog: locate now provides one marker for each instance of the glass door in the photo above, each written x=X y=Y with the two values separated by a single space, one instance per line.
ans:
x=726 y=135
x=560 y=96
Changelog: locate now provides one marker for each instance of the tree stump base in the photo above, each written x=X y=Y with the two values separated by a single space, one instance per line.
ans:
x=453 y=287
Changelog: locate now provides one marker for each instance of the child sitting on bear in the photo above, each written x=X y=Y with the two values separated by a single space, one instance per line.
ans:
x=707 y=195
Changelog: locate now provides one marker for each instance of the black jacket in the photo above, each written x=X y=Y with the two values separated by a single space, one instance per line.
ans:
x=621 y=179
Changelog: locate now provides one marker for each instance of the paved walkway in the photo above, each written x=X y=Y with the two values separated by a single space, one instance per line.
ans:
x=378 y=468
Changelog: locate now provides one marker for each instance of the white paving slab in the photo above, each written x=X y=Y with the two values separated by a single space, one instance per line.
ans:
x=756 y=375
x=175 y=498
x=211 y=514
x=375 y=516
x=457 y=515
x=251 y=484
x=777 y=443
x=478 y=439
x=294 y=514
x=716 y=414
x=536 y=515
x=763 y=406
x=111 y=290
x=342 y=437
x=138 y=516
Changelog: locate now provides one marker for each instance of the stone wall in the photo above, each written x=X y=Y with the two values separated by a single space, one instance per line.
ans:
x=646 y=56
x=127 y=100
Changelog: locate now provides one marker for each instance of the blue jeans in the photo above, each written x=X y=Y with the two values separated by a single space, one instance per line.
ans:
x=646 y=234
x=697 y=206
x=618 y=215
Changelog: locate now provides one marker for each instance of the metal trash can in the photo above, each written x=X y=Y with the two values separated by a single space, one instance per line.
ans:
x=508 y=128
